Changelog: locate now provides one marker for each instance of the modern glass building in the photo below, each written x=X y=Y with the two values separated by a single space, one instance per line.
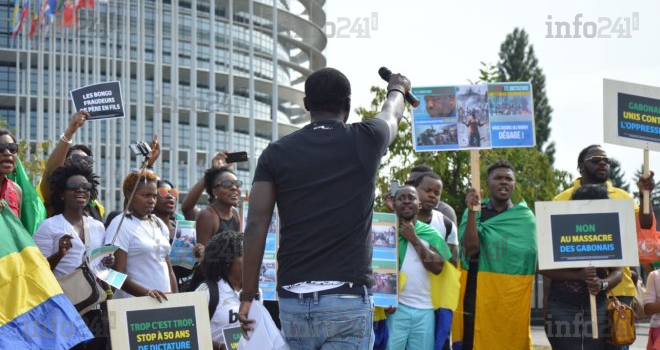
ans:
x=206 y=75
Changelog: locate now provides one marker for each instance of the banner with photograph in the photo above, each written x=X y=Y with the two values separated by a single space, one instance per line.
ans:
x=384 y=241
x=474 y=117
x=184 y=241
x=268 y=272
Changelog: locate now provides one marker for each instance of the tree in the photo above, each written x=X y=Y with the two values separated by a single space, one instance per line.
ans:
x=519 y=63
x=617 y=176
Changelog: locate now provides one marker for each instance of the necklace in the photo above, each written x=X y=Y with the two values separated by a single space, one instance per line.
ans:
x=157 y=249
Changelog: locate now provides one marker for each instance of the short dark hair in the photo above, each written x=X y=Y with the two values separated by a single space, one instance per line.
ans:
x=87 y=150
x=160 y=183
x=402 y=187
x=421 y=168
x=220 y=253
x=7 y=132
x=583 y=153
x=590 y=191
x=327 y=90
x=209 y=178
x=59 y=177
x=500 y=164
x=419 y=179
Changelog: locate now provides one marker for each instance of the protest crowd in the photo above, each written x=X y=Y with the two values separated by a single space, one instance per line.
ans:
x=465 y=280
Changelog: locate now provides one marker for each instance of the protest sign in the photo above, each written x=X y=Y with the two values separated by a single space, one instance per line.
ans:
x=106 y=274
x=101 y=100
x=268 y=271
x=632 y=118
x=575 y=234
x=474 y=117
x=184 y=241
x=631 y=114
x=232 y=336
x=181 y=322
x=384 y=260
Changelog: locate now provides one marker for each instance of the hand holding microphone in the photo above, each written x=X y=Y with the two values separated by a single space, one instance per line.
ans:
x=399 y=83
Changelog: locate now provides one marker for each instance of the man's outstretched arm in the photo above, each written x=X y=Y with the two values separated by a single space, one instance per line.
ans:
x=393 y=107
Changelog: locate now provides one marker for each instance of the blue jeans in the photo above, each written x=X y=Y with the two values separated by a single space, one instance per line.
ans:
x=328 y=322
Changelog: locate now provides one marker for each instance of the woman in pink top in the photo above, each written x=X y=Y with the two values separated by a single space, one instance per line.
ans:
x=652 y=307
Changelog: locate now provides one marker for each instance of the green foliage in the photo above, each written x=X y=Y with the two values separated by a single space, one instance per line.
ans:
x=33 y=156
x=519 y=63
x=618 y=176
x=536 y=179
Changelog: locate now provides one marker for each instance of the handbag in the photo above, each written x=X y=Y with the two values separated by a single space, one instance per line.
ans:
x=81 y=286
x=622 y=324
x=638 y=303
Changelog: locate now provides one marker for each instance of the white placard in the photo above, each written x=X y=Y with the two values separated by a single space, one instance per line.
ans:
x=145 y=324
x=631 y=114
x=581 y=233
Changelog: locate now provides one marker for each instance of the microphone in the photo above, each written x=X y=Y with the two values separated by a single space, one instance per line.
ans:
x=386 y=74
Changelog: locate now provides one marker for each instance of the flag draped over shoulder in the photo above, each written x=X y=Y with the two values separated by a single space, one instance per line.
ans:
x=507 y=265
x=33 y=211
x=34 y=313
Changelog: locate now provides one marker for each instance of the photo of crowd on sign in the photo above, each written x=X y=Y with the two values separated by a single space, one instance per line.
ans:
x=268 y=272
x=383 y=236
x=384 y=282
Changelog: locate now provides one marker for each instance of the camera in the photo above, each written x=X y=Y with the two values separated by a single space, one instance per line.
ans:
x=140 y=148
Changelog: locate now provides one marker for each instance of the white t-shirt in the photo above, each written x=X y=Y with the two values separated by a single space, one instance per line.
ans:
x=652 y=295
x=226 y=313
x=416 y=291
x=47 y=239
x=146 y=242
x=438 y=223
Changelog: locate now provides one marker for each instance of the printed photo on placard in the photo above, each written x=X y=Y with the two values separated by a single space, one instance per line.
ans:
x=511 y=114
x=480 y=116
x=268 y=272
x=473 y=120
x=384 y=241
x=185 y=239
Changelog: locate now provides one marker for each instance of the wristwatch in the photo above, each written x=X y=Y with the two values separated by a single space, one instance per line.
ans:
x=248 y=296
x=604 y=285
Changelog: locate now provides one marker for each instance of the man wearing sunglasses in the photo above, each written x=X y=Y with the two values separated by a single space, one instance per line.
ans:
x=322 y=178
x=594 y=167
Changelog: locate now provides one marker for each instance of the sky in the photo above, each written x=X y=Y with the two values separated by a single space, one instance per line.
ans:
x=438 y=43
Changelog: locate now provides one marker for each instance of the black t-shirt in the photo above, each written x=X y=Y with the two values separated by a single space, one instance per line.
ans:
x=324 y=177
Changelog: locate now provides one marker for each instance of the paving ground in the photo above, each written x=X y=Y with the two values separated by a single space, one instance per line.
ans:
x=540 y=341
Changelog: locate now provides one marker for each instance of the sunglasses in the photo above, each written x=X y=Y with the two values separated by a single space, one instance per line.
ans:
x=77 y=158
x=164 y=192
x=598 y=159
x=229 y=183
x=12 y=147
x=75 y=186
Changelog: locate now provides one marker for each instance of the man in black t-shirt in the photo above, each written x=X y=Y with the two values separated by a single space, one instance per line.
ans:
x=322 y=178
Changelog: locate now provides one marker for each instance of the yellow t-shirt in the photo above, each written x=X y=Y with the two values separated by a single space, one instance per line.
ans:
x=626 y=287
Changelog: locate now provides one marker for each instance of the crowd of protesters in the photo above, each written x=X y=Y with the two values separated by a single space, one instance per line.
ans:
x=322 y=179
